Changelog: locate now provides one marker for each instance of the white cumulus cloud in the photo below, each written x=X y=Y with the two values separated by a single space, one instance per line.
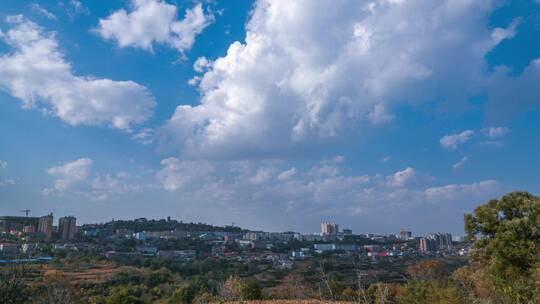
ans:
x=380 y=115
x=460 y=163
x=287 y=174
x=495 y=132
x=7 y=182
x=38 y=9
x=36 y=72
x=402 y=178
x=74 y=8
x=77 y=177
x=144 y=136
x=152 y=22
x=202 y=64
x=453 y=141
x=70 y=174
x=177 y=173
x=454 y=192
x=386 y=159
x=311 y=71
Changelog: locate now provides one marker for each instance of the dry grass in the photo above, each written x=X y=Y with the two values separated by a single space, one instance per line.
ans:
x=289 y=302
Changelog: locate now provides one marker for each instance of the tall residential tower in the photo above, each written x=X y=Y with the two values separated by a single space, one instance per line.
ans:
x=45 y=226
x=67 y=226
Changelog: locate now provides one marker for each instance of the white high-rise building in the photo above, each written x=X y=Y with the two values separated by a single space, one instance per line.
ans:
x=329 y=228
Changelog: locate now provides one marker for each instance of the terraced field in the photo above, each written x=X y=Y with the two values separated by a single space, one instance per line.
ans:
x=91 y=275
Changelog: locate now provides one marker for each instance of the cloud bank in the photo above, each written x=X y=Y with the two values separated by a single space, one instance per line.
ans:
x=323 y=189
x=77 y=178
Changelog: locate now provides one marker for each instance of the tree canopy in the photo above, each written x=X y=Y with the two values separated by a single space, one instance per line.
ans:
x=508 y=243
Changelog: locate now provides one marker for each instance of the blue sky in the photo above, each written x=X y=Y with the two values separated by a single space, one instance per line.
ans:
x=378 y=115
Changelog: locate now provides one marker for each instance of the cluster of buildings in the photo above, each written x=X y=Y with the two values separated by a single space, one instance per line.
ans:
x=147 y=235
x=41 y=226
x=431 y=243
x=331 y=229
x=435 y=242
x=225 y=244
x=33 y=230
x=185 y=255
x=405 y=235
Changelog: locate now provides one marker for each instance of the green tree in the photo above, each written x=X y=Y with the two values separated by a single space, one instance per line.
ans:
x=125 y=295
x=251 y=290
x=508 y=245
x=188 y=291
x=184 y=294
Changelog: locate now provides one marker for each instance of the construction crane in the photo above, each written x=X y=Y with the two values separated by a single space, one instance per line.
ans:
x=26 y=211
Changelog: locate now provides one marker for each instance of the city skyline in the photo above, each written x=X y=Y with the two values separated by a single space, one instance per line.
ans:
x=267 y=114
x=67 y=229
x=45 y=223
